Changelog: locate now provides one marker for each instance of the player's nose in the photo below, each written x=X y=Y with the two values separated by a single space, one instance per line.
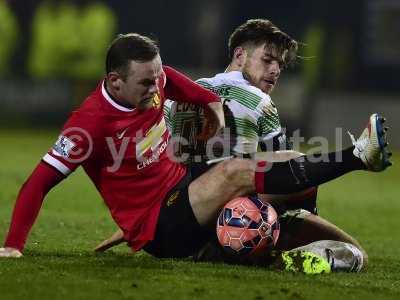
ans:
x=274 y=69
x=153 y=89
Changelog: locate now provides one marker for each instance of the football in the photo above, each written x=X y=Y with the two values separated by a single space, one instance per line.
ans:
x=247 y=226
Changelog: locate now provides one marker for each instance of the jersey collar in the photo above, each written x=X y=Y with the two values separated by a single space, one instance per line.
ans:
x=110 y=100
x=233 y=75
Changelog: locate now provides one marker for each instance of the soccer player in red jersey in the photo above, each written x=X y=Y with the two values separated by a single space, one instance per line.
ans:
x=119 y=137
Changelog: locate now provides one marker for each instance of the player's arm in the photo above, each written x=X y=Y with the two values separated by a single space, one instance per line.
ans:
x=168 y=106
x=116 y=239
x=72 y=147
x=182 y=89
x=27 y=207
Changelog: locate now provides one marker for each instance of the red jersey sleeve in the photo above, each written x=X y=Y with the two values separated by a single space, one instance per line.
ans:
x=180 y=88
x=29 y=202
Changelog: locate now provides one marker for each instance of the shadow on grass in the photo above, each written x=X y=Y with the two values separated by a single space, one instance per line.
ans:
x=140 y=260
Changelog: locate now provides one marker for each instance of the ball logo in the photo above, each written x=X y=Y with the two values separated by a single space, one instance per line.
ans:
x=264 y=228
x=239 y=210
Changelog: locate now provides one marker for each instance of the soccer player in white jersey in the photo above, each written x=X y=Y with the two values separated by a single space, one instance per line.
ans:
x=258 y=51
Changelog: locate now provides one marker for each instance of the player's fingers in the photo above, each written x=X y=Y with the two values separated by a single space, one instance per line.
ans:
x=107 y=244
x=10 y=252
x=205 y=132
x=210 y=129
x=116 y=239
x=103 y=246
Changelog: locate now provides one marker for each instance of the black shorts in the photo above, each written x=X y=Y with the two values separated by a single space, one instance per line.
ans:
x=178 y=234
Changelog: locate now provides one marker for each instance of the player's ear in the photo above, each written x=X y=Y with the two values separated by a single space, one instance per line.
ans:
x=114 y=80
x=239 y=56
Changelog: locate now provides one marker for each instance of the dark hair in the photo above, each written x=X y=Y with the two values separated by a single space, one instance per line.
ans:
x=256 y=32
x=128 y=47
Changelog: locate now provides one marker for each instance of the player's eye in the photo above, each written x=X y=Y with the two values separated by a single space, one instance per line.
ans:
x=269 y=61
x=148 y=83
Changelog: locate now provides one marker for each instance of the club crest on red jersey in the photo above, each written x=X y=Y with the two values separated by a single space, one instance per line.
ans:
x=172 y=199
x=156 y=101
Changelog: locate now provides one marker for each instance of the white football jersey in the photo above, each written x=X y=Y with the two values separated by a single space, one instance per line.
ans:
x=251 y=118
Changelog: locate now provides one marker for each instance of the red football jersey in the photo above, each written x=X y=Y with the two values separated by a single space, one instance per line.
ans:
x=124 y=152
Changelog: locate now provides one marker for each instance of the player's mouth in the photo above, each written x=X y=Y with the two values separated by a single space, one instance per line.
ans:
x=145 y=103
x=147 y=100
x=270 y=81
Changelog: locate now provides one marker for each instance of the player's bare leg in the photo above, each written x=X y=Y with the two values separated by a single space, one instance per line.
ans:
x=225 y=181
x=306 y=228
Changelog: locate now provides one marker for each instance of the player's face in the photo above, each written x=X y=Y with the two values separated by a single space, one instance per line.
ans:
x=262 y=67
x=141 y=83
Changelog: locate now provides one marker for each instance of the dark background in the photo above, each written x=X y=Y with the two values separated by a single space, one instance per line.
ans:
x=349 y=70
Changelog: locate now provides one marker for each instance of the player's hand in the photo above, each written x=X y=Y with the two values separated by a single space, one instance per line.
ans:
x=116 y=239
x=10 y=252
x=214 y=121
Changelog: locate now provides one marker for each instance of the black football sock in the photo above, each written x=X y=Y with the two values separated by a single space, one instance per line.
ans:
x=298 y=174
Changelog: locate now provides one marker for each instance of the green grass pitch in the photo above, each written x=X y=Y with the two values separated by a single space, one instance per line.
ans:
x=59 y=262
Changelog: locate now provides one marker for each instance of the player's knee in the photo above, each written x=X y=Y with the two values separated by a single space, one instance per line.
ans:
x=239 y=172
x=290 y=154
